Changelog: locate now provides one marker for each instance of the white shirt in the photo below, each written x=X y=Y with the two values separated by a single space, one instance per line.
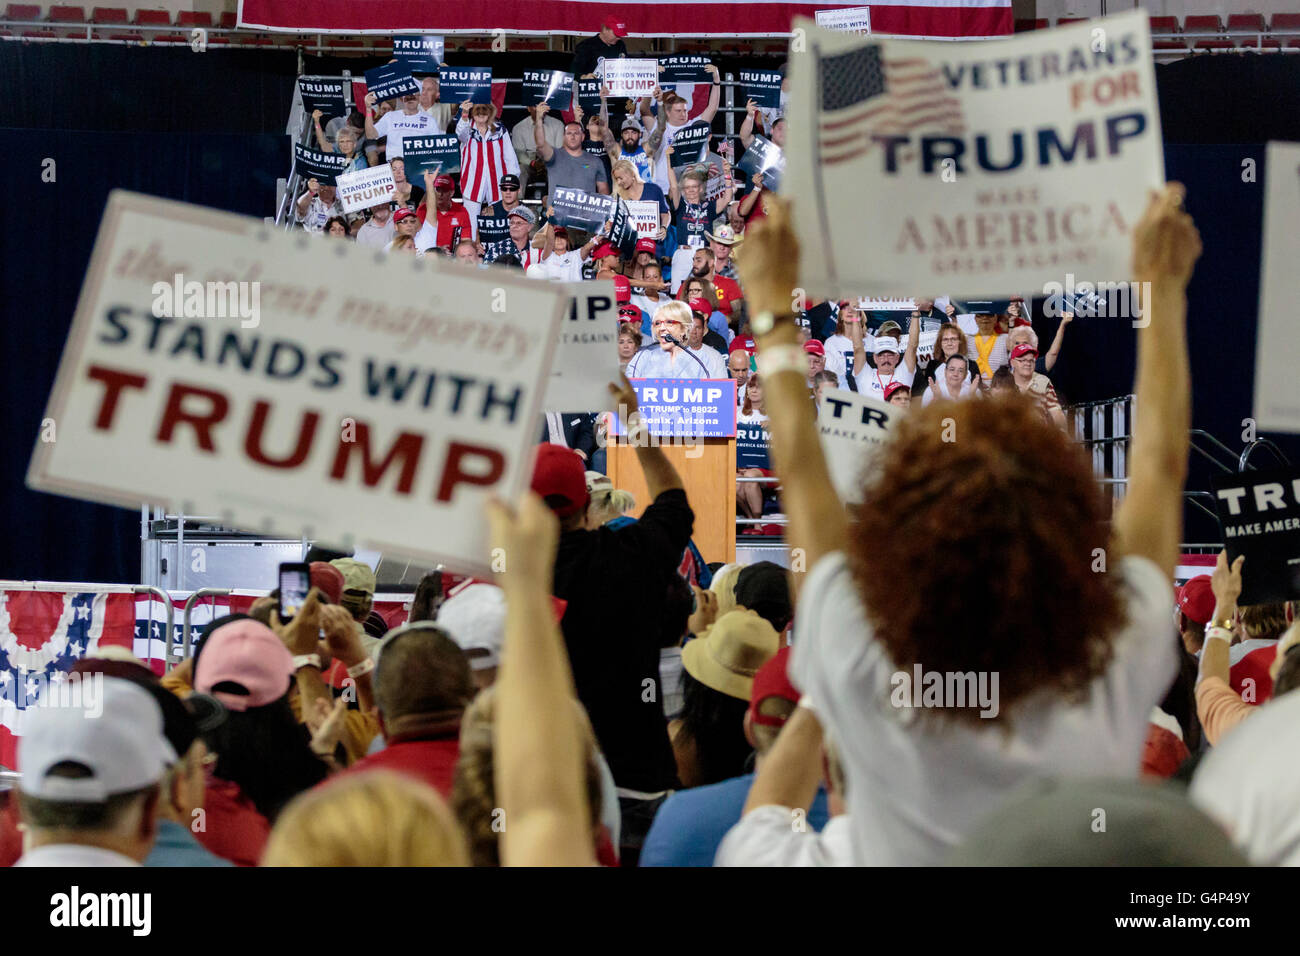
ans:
x=647 y=304
x=318 y=213
x=377 y=237
x=913 y=791
x=73 y=855
x=397 y=124
x=661 y=165
x=968 y=387
x=561 y=267
x=766 y=836
x=654 y=362
x=712 y=358
x=872 y=382
x=839 y=356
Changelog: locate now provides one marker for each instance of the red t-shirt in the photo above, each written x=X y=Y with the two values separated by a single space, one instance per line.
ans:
x=233 y=829
x=457 y=215
x=430 y=760
x=1254 y=666
x=728 y=292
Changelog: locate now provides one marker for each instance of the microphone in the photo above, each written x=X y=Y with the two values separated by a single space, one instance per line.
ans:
x=681 y=345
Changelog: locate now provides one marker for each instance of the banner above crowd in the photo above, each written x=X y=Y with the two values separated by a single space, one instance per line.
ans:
x=917 y=19
x=1007 y=165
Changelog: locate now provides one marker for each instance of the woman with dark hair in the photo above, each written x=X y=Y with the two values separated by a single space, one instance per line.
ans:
x=337 y=228
x=718 y=678
x=950 y=341
x=937 y=714
x=750 y=494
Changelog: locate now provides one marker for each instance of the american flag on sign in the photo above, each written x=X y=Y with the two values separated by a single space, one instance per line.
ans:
x=862 y=94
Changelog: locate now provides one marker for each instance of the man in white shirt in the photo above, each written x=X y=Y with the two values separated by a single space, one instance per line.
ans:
x=378 y=230
x=524 y=139
x=317 y=206
x=89 y=793
x=874 y=381
x=411 y=121
x=430 y=103
x=668 y=357
x=711 y=357
x=674 y=113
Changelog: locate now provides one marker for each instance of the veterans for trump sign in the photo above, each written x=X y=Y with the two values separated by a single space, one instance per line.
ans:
x=379 y=422
x=1000 y=165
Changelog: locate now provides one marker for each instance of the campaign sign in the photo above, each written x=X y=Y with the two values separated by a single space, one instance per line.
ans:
x=588 y=94
x=763 y=156
x=853 y=429
x=552 y=87
x=323 y=95
x=582 y=210
x=885 y=304
x=1277 y=349
x=763 y=87
x=439 y=153
x=586 y=355
x=622 y=230
x=1001 y=165
x=753 y=444
x=644 y=215
x=269 y=387
x=631 y=77
x=421 y=53
x=684 y=68
x=310 y=163
x=494 y=235
x=456 y=84
x=690 y=144
x=367 y=188
x=847 y=20
x=391 y=80
x=1259 y=512
x=925 y=343
x=685 y=407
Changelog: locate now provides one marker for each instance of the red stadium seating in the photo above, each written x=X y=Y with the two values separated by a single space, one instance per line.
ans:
x=228 y=20
x=126 y=37
x=64 y=14
x=169 y=38
x=1066 y=21
x=22 y=12
x=1158 y=45
x=109 y=15
x=152 y=18
x=1161 y=25
x=193 y=18
x=1285 y=21
x=39 y=35
x=1246 y=23
x=1209 y=23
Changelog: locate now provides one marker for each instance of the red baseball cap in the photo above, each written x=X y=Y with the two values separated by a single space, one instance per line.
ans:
x=559 y=472
x=328 y=578
x=560 y=231
x=814 y=347
x=698 y=304
x=614 y=23
x=622 y=290
x=1196 y=599
x=771 y=680
x=741 y=343
x=444 y=182
x=629 y=313
x=603 y=250
x=1023 y=349
x=892 y=387
x=403 y=212
x=645 y=245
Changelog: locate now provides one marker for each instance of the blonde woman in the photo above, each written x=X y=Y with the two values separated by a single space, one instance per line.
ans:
x=631 y=189
x=607 y=502
x=724 y=586
x=371 y=819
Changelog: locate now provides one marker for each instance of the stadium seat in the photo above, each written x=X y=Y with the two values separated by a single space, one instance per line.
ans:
x=1246 y=23
x=152 y=18
x=1285 y=21
x=64 y=14
x=229 y=19
x=39 y=35
x=169 y=38
x=1162 y=25
x=109 y=15
x=1158 y=45
x=1025 y=26
x=193 y=18
x=22 y=12
x=1209 y=23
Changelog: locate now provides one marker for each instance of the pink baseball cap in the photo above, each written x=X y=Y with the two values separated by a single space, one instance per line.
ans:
x=249 y=654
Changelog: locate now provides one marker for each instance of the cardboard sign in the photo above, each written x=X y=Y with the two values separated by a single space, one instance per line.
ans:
x=552 y=87
x=690 y=144
x=753 y=445
x=685 y=408
x=494 y=236
x=391 y=81
x=763 y=156
x=438 y=153
x=853 y=429
x=421 y=53
x=847 y=20
x=1259 y=512
x=629 y=77
x=1277 y=349
x=367 y=188
x=763 y=87
x=644 y=215
x=622 y=230
x=588 y=93
x=297 y=388
x=456 y=84
x=868 y=303
x=310 y=163
x=583 y=210
x=684 y=68
x=586 y=356
x=997 y=165
x=323 y=95
x=715 y=187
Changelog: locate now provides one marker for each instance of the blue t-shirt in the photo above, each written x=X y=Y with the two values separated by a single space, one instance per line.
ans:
x=691 y=824
x=176 y=846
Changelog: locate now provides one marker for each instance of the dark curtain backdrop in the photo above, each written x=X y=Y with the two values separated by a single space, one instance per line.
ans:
x=208 y=128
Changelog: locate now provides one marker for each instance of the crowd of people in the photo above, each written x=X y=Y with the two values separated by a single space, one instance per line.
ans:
x=945 y=675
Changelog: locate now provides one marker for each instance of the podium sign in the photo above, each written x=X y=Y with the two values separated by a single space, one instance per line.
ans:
x=686 y=407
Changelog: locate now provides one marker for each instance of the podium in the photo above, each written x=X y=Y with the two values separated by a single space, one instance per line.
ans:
x=709 y=476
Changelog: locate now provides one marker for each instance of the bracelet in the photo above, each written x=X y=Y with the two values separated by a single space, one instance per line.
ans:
x=783 y=358
x=1217 y=633
x=306 y=660
x=362 y=668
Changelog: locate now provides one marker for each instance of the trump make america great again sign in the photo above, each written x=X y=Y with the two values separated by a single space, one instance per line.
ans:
x=982 y=166
x=223 y=368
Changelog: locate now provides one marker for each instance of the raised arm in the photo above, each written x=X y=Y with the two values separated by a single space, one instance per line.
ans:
x=747 y=204
x=674 y=196
x=715 y=96
x=539 y=755
x=304 y=201
x=792 y=770
x=321 y=139
x=371 y=132
x=769 y=274
x=913 y=336
x=728 y=189
x=1225 y=582
x=612 y=149
x=747 y=127
x=544 y=149
x=854 y=325
x=1050 y=358
x=1149 y=521
x=660 y=475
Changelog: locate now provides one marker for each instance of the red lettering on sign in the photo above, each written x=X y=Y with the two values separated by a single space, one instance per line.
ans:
x=253 y=440
x=454 y=473
x=406 y=446
x=114 y=382
x=175 y=414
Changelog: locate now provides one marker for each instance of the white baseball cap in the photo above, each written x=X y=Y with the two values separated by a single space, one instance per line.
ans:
x=117 y=737
x=475 y=617
x=886 y=345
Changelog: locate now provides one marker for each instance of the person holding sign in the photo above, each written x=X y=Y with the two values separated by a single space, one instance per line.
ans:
x=606 y=45
x=448 y=217
x=674 y=115
x=668 y=356
x=752 y=457
x=394 y=125
x=631 y=189
x=1035 y=385
x=486 y=153
x=318 y=205
x=1081 y=657
x=346 y=138
x=988 y=347
x=776 y=133
x=570 y=166
x=522 y=136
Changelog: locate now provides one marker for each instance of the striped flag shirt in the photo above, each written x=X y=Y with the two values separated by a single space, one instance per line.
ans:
x=483 y=161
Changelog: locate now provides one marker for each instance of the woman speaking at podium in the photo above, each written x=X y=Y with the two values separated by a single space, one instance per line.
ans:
x=669 y=355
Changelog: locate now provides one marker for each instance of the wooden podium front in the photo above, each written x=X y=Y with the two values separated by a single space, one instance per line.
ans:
x=708 y=470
